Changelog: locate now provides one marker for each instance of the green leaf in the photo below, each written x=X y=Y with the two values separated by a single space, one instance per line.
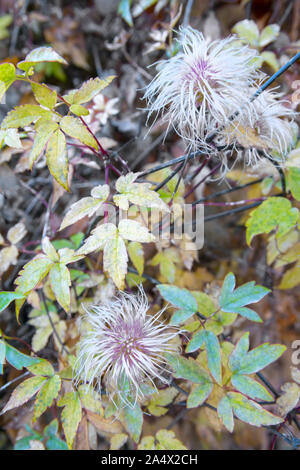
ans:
x=250 y=387
x=74 y=128
x=196 y=341
x=247 y=30
x=71 y=415
x=2 y=355
x=124 y=11
x=60 y=284
x=7 y=297
x=88 y=90
x=44 y=129
x=23 y=392
x=260 y=357
x=274 y=213
x=133 y=419
x=199 y=393
x=293 y=177
x=250 y=412
x=57 y=160
x=225 y=413
x=136 y=254
x=19 y=360
x=32 y=273
x=234 y=300
x=181 y=298
x=269 y=34
x=188 y=369
x=40 y=54
x=22 y=116
x=213 y=352
x=46 y=395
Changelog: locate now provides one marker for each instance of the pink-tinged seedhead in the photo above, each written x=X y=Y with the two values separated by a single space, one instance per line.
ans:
x=124 y=347
x=200 y=87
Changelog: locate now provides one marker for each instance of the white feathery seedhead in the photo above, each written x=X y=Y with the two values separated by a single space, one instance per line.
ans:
x=198 y=89
x=265 y=130
x=124 y=347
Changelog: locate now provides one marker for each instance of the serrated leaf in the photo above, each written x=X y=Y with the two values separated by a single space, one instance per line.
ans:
x=159 y=400
x=136 y=254
x=181 y=298
x=98 y=237
x=270 y=59
x=2 y=355
x=79 y=110
x=225 y=413
x=115 y=260
x=117 y=441
x=291 y=278
x=40 y=54
x=32 y=273
x=124 y=11
x=134 y=231
x=289 y=399
x=43 y=367
x=46 y=395
x=23 y=392
x=250 y=412
x=22 y=116
x=74 y=128
x=233 y=300
x=137 y=193
x=199 y=393
x=293 y=177
x=57 y=160
x=86 y=206
x=88 y=90
x=250 y=387
x=49 y=249
x=16 y=233
x=167 y=441
x=7 y=297
x=17 y=359
x=60 y=284
x=188 y=369
x=269 y=34
x=44 y=130
x=248 y=30
x=44 y=95
x=274 y=213
x=71 y=415
x=7 y=77
x=133 y=420
x=253 y=361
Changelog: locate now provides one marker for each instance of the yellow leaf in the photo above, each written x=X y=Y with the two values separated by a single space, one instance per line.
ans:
x=115 y=260
x=71 y=415
x=32 y=273
x=46 y=395
x=16 y=233
x=88 y=90
x=44 y=95
x=134 y=231
x=288 y=401
x=60 y=281
x=86 y=206
x=44 y=129
x=24 y=392
x=57 y=160
x=76 y=129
